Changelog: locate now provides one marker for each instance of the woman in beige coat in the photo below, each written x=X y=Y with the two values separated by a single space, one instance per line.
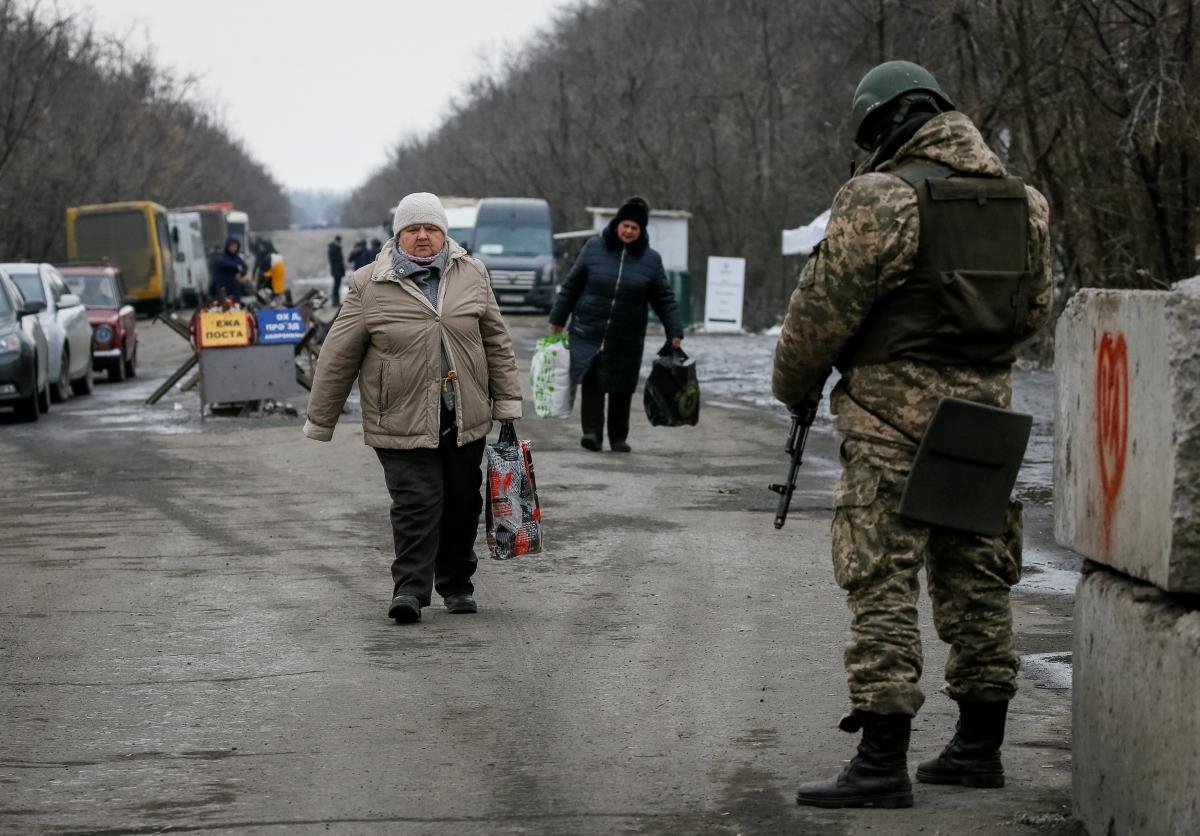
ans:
x=421 y=331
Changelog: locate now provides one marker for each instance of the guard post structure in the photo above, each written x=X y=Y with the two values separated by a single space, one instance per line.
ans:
x=1127 y=498
x=247 y=357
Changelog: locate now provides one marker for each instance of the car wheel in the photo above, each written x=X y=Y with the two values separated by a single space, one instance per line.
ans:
x=31 y=409
x=62 y=387
x=86 y=384
x=27 y=410
x=43 y=397
x=117 y=372
x=131 y=365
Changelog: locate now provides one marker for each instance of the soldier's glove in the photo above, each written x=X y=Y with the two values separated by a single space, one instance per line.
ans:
x=806 y=410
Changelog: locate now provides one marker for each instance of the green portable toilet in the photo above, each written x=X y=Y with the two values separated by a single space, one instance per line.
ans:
x=681 y=286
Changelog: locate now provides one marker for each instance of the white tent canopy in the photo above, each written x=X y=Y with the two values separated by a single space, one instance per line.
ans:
x=802 y=239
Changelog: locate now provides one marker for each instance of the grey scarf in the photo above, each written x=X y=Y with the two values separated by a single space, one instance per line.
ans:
x=426 y=274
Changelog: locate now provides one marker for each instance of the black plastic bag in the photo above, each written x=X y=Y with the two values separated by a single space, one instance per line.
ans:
x=672 y=392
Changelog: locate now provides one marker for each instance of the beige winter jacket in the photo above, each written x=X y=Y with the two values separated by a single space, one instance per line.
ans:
x=389 y=337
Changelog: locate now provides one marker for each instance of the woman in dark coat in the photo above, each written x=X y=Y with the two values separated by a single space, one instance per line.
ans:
x=605 y=296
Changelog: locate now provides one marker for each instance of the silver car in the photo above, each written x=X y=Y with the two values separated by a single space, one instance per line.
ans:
x=65 y=321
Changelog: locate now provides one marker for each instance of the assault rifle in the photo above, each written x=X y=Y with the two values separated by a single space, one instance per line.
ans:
x=797 y=437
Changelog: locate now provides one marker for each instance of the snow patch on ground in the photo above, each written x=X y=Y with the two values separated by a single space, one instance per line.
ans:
x=1048 y=670
x=738 y=367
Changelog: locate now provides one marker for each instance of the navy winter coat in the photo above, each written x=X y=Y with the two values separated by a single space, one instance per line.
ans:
x=225 y=268
x=605 y=295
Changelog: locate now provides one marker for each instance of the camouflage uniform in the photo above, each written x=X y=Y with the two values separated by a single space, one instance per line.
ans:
x=869 y=250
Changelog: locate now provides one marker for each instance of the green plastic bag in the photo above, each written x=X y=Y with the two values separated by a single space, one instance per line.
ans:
x=550 y=373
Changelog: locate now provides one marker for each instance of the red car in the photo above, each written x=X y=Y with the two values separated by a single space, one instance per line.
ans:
x=110 y=313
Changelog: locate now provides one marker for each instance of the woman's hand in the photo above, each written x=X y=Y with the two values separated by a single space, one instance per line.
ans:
x=556 y=329
x=676 y=342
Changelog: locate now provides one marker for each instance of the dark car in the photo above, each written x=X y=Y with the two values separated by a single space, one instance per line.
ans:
x=111 y=315
x=24 y=363
x=514 y=240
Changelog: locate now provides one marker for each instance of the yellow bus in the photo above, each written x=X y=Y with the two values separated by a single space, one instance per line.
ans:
x=135 y=235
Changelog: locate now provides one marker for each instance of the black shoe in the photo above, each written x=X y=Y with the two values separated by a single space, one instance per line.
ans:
x=405 y=609
x=460 y=603
x=877 y=776
x=972 y=758
x=620 y=447
x=590 y=442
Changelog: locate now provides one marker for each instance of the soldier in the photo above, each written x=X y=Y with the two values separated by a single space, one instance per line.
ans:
x=935 y=264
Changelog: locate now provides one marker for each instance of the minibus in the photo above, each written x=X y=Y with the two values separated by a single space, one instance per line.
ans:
x=134 y=235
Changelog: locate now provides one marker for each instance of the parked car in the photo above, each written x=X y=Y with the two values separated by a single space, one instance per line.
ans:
x=513 y=239
x=24 y=372
x=65 y=322
x=111 y=315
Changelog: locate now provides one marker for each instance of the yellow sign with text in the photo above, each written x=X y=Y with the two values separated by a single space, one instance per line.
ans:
x=222 y=329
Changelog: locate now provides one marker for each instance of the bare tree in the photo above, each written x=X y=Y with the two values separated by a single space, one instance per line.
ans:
x=737 y=111
x=85 y=119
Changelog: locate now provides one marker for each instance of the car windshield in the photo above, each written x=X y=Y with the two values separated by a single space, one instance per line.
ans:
x=94 y=289
x=30 y=285
x=513 y=240
x=6 y=310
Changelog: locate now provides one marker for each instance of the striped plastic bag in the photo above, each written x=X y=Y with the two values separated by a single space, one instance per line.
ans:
x=512 y=513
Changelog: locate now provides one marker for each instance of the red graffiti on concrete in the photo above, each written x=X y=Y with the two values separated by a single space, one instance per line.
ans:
x=1112 y=422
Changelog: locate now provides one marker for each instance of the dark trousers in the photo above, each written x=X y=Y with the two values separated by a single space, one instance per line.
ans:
x=592 y=410
x=337 y=284
x=436 y=503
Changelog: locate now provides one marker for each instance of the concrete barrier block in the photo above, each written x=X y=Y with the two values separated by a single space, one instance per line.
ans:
x=1136 y=712
x=1127 y=432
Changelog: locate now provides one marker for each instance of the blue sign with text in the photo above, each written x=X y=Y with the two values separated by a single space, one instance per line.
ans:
x=280 y=325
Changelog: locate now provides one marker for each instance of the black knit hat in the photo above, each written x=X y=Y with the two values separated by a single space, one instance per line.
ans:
x=634 y=209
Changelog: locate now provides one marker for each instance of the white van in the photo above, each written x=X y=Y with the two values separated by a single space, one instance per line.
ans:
x=239 y=228
x=191 y=261
x=461 y=223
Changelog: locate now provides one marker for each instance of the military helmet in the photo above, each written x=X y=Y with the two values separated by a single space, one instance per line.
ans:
x=885 y=84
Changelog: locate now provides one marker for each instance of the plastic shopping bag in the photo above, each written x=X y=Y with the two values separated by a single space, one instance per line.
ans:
x=672 y=392
x=512 y=513
x=550 y=372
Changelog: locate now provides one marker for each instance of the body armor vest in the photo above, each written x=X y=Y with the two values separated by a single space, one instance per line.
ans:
x=966 y=301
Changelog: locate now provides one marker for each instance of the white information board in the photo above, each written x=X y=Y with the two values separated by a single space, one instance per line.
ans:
x=726 y=286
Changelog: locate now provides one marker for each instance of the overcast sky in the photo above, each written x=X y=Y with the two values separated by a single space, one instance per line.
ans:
x=320 y=91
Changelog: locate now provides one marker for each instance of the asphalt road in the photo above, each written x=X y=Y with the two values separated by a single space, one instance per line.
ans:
x=194 y=637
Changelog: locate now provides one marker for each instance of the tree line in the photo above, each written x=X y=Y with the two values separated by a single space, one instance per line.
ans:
x=85 y=119
x=737 y=110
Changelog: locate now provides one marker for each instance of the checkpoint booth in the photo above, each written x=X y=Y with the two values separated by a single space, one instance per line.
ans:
x=247 y=356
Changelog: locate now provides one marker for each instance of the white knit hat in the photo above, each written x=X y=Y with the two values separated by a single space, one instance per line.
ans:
x=419 y=208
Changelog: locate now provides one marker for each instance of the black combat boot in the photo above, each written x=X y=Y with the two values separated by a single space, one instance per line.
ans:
x=973 y=756
x=878 y=775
